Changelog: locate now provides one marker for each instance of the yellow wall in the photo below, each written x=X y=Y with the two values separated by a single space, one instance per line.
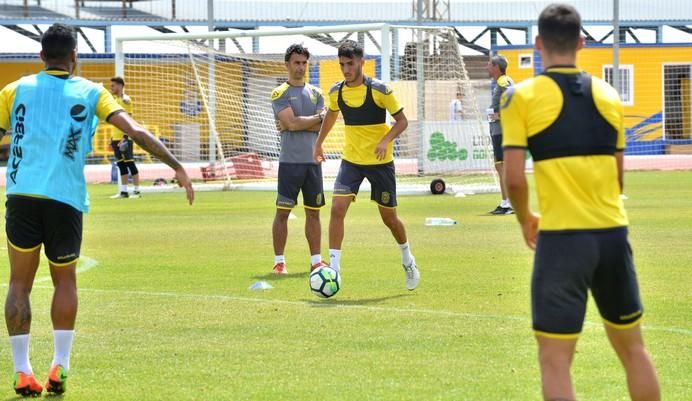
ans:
x=648 y=77
x=516 y=72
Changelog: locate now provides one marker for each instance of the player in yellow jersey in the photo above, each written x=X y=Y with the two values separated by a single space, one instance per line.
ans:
x=367 y=153
x=121 y=143
x=573 y=125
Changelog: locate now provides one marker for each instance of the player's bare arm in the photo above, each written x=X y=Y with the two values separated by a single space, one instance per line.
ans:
x=400 y=124
x=291 y=122
x=327 y=125
x=152 y=145
x=620 y=160
x=316 y=128
x=518 y=192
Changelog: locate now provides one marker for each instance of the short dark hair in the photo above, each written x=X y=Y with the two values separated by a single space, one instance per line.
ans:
x=58 y=42
x=499 y=61
x=118 y=80
x=297 y=49
x=559 y=26
x=350 y=49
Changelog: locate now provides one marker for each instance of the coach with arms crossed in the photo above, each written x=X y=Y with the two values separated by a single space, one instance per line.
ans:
x=299 y=109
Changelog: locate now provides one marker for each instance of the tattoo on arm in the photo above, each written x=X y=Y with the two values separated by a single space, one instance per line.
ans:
x=152 y=145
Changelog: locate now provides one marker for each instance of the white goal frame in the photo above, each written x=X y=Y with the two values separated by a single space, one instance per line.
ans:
x=386 y=37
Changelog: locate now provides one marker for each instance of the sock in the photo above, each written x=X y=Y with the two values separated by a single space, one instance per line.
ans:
x=505 y=203
x=279 y=259
x=62 y=340
x=335 y=259
x=406 y=256
x=136 y=188
x=20 y=353
x=123 y=188
x=315 y=259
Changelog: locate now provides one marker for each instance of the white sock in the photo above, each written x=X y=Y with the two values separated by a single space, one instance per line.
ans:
x=406 y=256
x=505 y=203
x=315 y=259
x=123 y=188
x=335 y=259
x=62 y=340
x=136 y=188
x=279 y=259
x=20 y=353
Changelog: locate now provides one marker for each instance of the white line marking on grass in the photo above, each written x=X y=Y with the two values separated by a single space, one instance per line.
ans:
x=317 y=304
x=85 y=263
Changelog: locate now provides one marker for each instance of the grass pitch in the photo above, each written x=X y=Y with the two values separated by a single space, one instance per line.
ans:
x=165 y=310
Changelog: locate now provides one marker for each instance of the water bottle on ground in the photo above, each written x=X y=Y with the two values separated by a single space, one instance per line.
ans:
x=439 y=221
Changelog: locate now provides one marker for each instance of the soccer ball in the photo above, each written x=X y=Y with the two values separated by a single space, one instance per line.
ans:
x=325 y=282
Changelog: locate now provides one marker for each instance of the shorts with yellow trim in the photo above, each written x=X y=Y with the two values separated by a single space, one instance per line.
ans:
x=31 y=222
x=300 y=177
x=382 y=178
x=570 y=263
x=122 y=149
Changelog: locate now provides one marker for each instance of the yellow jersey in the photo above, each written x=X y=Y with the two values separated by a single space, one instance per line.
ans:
x=572 y=124
x=126 y=104
x=364 y=109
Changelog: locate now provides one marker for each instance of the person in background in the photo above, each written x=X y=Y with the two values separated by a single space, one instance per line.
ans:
x=497 y=69
x=122 y=144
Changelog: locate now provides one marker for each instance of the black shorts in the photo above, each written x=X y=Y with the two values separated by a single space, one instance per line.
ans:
x=30 y=222
x=382 y=179
x=567 y=265
x=126 y=153
x=497 y=148
x=294 y=178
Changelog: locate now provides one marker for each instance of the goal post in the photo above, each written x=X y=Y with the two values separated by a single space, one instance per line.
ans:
x=207 y=95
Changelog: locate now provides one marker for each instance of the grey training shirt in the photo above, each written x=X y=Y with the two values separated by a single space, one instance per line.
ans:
x=297 y=146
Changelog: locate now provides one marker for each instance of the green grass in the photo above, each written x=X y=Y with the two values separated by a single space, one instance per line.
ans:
x=167 y=314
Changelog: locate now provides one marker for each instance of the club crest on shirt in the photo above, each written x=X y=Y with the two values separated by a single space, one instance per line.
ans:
x=314 y=95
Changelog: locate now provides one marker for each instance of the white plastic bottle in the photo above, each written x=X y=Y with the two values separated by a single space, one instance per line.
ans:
x=439 y=221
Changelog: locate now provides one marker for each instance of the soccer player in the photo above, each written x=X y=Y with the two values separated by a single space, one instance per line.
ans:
x=121 y=143
x=299 y=108
x=497 y=70
x=573 y=125
x=53 y=116
x=367 y=153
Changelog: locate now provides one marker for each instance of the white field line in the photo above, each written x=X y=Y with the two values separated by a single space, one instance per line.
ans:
x=316 y=303
x=88 y=263
x=85 y=263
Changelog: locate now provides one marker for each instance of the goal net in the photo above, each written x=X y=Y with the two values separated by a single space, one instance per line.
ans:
x=208 y=97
